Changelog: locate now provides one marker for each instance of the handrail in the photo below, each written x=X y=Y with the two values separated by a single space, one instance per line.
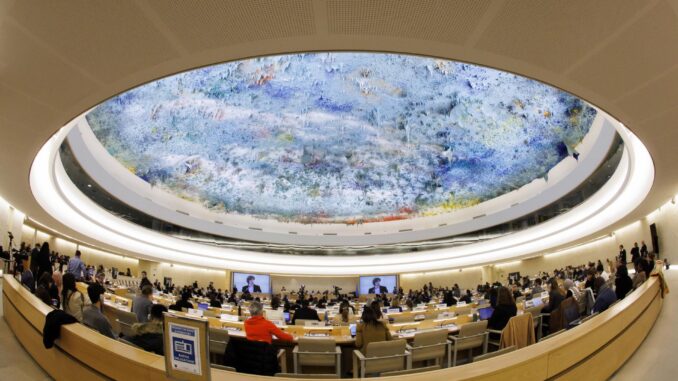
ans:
x=621 y=328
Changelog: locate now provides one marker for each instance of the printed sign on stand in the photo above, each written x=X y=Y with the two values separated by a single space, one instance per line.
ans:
x=186 y=348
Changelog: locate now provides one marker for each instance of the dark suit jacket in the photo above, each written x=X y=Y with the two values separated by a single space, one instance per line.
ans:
x=382 y=290
x=305 y=314
x=257 y=288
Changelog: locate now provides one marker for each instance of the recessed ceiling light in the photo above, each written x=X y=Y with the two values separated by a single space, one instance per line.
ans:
x=89 y=185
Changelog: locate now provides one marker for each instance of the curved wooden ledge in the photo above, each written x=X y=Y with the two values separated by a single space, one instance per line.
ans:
x=594 y=350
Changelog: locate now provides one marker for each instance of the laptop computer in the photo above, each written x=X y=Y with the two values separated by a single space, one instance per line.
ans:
x=485 y=313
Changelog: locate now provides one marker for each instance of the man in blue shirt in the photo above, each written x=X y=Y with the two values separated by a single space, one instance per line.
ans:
x=76 y=266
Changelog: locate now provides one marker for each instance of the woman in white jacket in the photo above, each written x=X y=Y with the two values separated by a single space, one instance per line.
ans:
x=72 y=300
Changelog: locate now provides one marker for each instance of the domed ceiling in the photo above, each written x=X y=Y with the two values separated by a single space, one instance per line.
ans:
x=341 y=137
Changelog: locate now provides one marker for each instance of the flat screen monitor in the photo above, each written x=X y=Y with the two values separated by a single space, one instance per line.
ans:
x=378 y=284
x=353 y=328
x=203 y=306
x=254 y=283
x=286 y=315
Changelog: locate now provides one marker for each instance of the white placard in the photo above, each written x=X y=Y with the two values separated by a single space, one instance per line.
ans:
x=227 y=317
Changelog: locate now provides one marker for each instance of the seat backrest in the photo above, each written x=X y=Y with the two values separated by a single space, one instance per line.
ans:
x=430 y=338
x=306 y=322
x=322 y=351
x=385 y=348
x=382 y=349
x=474 y=328
x=127 y=317
x=519 y=332
x=535 y=311
x=210 y=313
x=312 y=344
x=570 y=311
x=218 y=340
x=253 y=357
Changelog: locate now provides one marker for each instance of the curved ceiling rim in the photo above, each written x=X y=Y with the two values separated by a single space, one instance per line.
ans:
x=60 y=177
x=124 y=186
x=622 y=183
x=436 y=260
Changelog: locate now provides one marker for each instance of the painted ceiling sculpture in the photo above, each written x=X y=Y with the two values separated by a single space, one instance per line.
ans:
x=341 y=137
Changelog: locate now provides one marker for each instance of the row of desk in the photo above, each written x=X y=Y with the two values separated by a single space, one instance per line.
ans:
x=595 y=350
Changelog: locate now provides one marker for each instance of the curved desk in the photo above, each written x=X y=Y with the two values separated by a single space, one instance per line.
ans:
x=594 y=350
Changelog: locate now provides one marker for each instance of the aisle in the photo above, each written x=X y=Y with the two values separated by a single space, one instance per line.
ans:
x=15 y=363
x=656 y=358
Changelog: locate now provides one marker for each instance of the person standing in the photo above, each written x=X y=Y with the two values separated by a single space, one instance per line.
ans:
x=622 y=254
x=144 y=280
x=35 y=253
x=635 y=253
x=141 y=306
x=44 y=261
x=76 y=266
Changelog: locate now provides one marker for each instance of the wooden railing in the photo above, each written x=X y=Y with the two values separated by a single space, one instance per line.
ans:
x=592 y=351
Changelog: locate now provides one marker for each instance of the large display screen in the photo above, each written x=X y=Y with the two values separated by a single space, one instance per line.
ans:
x=377 y=284
x=252 y=282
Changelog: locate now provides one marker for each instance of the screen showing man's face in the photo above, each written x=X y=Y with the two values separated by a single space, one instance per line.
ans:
x=377 y=284
x=250 y=282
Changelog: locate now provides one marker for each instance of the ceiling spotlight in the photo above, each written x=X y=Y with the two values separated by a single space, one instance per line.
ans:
x=89 y=185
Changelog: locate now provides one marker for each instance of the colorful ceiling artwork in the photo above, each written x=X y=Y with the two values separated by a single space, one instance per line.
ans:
x=341 y=137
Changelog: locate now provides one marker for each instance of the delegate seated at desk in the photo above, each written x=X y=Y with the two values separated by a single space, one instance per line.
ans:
x=370 y=330
x=305 y=313
x=92 y=315
x=183 y=302
x=258 y=328
x=149 y=335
